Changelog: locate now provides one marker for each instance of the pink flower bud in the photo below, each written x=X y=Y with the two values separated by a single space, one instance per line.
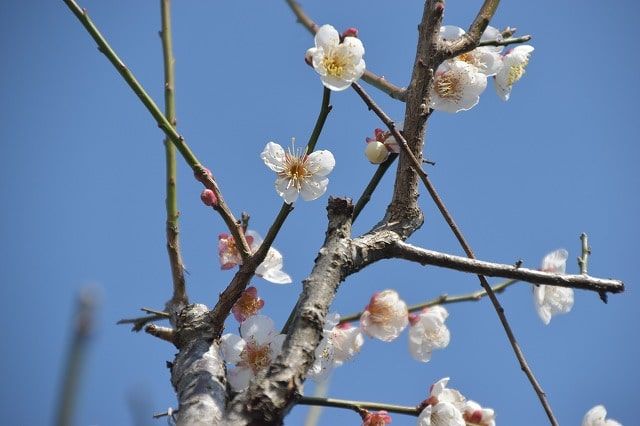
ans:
x=350 y=32
x=209 y=198
x=379 y=418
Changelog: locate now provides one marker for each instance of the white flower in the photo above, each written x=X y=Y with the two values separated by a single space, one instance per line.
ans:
x=385 y=316
x=428 y=332
x=340 y=343
x=298 y=173
x=596 y=417
x=253 y=352
x=552 y=300
x=514 y=62
x=271 y=267
x=445 y=406
x=475 y=415
x=486 y=59
x=339 y=64
x=442 y=414
x=456 y=86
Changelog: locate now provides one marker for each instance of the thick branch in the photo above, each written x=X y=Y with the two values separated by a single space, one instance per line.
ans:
x=429 y=257
x=370 y=77
x=197 y=373
x=271 y=395
x=199 y=170
x=179 y=298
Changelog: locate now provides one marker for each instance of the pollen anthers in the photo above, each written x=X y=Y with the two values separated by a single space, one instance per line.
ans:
x=256 y=357
x=295 y=169
x=516 y=72
x=447 y=86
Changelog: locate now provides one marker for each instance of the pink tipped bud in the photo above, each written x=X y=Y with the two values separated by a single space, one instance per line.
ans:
x=209 y=198
x=344 y=326
x=413 y=319
x=350 y=32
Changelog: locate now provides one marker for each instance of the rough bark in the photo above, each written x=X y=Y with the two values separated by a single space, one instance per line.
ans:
x=271 y=395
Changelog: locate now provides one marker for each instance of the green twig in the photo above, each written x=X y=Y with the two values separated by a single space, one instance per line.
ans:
x=505 y=41
x=179 y=297
x=583 y=260
x=325 y=109
x=178 y=140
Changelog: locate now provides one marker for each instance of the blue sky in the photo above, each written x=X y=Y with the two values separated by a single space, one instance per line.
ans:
x=83 y=202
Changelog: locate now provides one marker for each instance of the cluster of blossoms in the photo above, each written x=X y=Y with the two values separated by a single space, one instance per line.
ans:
x=448 y=407
x=271 y=267
x=552 y=300
x=458 y=82
x=596 y=417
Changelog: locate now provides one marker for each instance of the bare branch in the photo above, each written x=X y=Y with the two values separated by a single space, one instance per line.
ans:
x=370 y=77
x=179 y=298
x=583 y=260
x=471 y=38
x=271 y=394
x=505 y=41
x=358 y=405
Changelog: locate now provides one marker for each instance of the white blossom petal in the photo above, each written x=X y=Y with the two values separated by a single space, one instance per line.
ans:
x=596 y=417
x=231 y=347
x=553 y=300
x=451 y=32
x=258 y=329
x=457 y=87
x=321 y=163
x=327 y=37
x=514 y=63
x=273 y=156
x=313 y=189
x=385 y=316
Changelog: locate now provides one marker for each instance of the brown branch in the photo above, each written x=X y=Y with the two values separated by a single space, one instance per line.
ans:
x=423 y=256
x=358 y=405
x=163 y=333
x=370 y=77
x=443 y=299
x=471 y=38
x=271 y=394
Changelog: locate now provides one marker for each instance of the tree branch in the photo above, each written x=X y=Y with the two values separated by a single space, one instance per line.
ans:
x=429 y=257
x=178 y=140
x=179 y=298
x=358 y=405
x=471 y=38
x=370 y=77
x=273 y=393
x=372 y=185
x=443 y=299
x=505 y=41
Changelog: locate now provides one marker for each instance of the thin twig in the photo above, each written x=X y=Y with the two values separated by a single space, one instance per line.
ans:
x=82 y=331
x=179 y=297
x=164 y=333
x=373 y=184
x=370 y=77
x=505 y=41
x=200 y=172
x=449 y=219
x=443 y=299
x=156 y=312
x=357 y=405
x=583 y=260
x=140 y=322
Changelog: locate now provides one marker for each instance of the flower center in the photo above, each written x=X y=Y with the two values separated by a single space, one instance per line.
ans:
x=248 y=305
x=256 y=357
x=447 y=86
x=516 y=72
x=295 y=169
x=381 y=313
x=334 y=64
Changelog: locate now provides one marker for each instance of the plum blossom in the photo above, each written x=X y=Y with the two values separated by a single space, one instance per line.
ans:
x=338 y=63
x=271 y=267
x=514 y=62
x=379 y=418
x=444 y=406
x=596 y=417
x=475 y=415
x=486 y=59
x=385 y=316
x=298 y=173
x=252 y=351
x=428 y=332
x=247 y=305
x=552 y=300
x=381 y=145
x=456 y=86
x=340 y=343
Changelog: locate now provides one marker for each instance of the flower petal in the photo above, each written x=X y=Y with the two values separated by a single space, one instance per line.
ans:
x=258 y=329
x=239 y=378
x=231 y=347
x=273 y=156
x=286 y=190
x=321 y=163
x=313 y=189
x=327 y=37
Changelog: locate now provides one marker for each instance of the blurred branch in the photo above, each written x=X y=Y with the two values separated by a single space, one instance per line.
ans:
x=200 y=172
x=443 y=299
x=313 y=416
x=179 y=298
x=370 y=77
x=140 y=322
x=83 y=325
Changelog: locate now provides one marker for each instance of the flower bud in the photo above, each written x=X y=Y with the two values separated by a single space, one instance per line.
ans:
x=376 y=152
x=350 y=32
x=209 y=198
